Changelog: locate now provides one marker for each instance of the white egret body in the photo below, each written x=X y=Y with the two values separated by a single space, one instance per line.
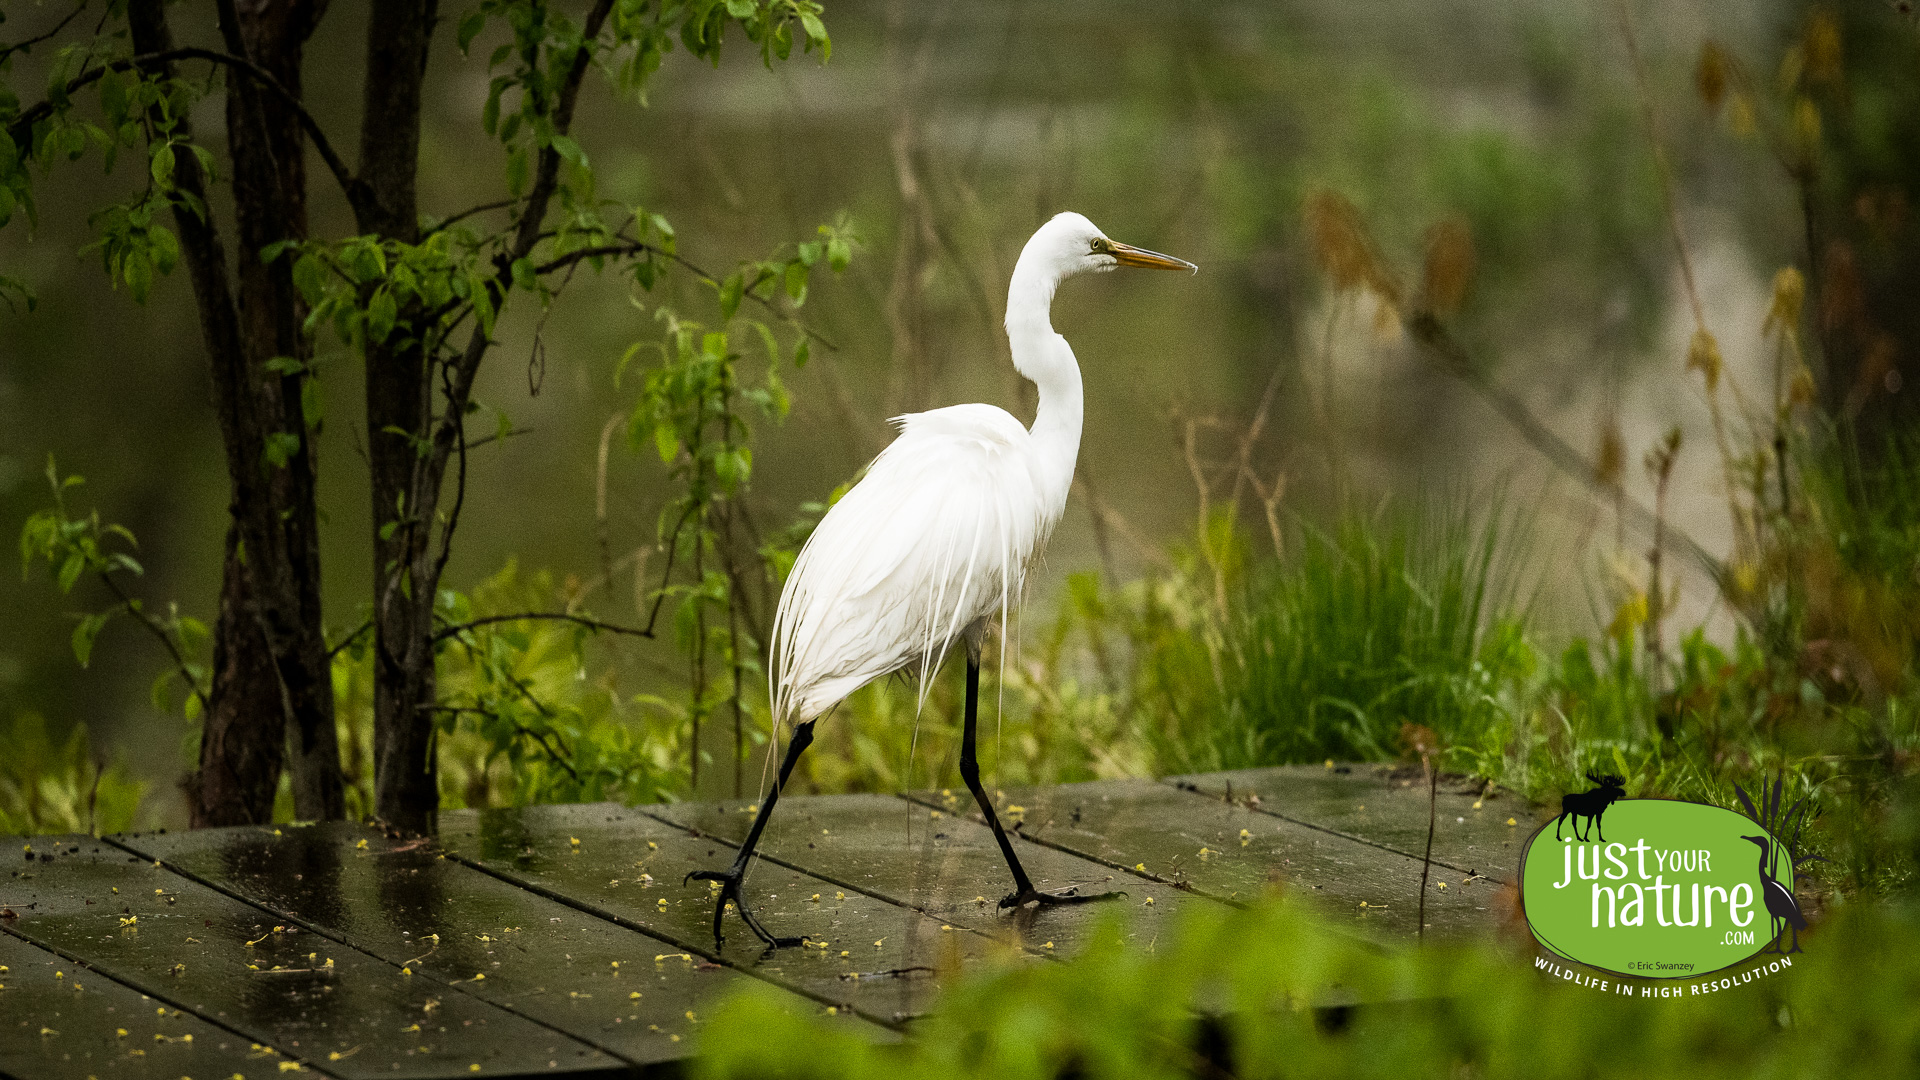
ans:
x=938 y=535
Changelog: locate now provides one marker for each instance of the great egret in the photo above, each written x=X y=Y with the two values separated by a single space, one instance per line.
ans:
x=935 y=540
x=1782 y=908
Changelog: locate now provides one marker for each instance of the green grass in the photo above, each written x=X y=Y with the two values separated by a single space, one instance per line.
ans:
x=1844 y=1008
x=1380 y=621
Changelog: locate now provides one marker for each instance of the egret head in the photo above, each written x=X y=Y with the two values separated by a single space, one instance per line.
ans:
x=1070 y=244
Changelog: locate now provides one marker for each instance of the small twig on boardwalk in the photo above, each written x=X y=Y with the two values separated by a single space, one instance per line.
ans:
x=1426 y=858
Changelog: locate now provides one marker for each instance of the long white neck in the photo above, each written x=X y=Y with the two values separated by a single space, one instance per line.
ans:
x=1044 y=358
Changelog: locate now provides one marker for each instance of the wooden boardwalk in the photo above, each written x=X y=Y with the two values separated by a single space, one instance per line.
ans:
x=560 y=939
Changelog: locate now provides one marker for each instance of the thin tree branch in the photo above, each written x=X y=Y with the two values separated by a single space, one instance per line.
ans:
x=1452 y=358
x=27 y=45
x=558 y=616
x=134 y=608
x=537 y=736
x=351 y=186
x=499 y=204
x=349 y=639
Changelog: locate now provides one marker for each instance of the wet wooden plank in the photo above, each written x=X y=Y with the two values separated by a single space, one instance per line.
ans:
x=865 y=955
x=939 y=862
x=443 y=920
x=336 y=1009
x=1375 y=804
x=62 y=1021
x=1233 y=853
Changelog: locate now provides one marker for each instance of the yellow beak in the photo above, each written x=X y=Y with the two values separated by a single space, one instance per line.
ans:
x=1128 y=255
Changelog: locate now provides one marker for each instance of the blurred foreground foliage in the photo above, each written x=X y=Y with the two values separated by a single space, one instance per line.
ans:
x=1241 y=993
x=49 y=786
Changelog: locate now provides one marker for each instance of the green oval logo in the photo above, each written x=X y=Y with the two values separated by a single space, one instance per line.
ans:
x=1655 y=888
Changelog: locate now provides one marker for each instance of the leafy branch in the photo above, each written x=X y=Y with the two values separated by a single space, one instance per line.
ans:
x=74 y=547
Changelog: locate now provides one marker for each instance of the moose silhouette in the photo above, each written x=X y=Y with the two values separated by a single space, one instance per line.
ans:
x=1590 y=805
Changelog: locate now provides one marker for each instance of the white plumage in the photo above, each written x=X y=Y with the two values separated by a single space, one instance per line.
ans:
x=932 y=543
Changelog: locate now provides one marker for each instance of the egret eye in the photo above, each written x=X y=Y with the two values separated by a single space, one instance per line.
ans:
x=1099 y=244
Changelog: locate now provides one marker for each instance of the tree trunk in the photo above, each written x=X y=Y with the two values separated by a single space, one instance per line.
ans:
x=270 y=199
x=268 y=642
x=399 y=417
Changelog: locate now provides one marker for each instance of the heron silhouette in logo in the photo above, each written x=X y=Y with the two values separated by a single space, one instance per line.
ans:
x=1783 y=909
x=1589 y=805
x=1787 y=826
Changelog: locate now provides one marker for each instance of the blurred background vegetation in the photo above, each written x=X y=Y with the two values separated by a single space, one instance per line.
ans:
x=1497 y=300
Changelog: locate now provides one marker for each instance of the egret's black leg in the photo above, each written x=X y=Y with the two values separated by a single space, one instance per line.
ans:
x=1023 y=890
x=732 y=878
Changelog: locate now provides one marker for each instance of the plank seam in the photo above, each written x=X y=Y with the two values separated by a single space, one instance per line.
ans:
x=313 y=928
x=626 y=923
x=1194 y=789
x=137 y=988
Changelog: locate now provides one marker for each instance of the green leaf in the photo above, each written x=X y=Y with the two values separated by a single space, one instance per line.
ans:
x=517 y=171
x=280 y=448
x=166 y=249
x=310 y=277
x=523 y=275
x=839 y=252
x=801 y=352
x=666 y=441
x=311 y=411
x=161 y=165
x=470 y=28
x=730 y=291
x=71 y=570
x=85 y=633
x=381 y=313
x=6 y=204
x=567 y=148
x=797 y=283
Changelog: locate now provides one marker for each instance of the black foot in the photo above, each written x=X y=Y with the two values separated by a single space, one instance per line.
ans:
x=730 y=890
x=1064 y=896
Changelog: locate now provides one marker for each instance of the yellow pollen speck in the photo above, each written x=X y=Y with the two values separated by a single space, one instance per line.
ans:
x=675 y=1038
x=1363 y=903
x=360 y=845
x=1441 y=884
x=120 y=1032
x=844 y=952
x=945 y=927
x=406 y=971
x=1510 y=821
x=1149 y=900
x=289 y=1066
x=116 y=890
x=833 y=1010
x=651 y=846
x=475 y=1067
x=1329 y=763
x=1140 y=867
x=1476 y=804
x=815 y=899
x=573 y=841
x=1048 y=945
x=839 y=896
x=690 y=1014
x=635 y=996
x=933 y=813
x=877 y=943
x=478 y=976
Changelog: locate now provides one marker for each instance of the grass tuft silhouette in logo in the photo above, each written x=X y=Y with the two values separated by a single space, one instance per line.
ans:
x=1782 y=907
x=1589 y=805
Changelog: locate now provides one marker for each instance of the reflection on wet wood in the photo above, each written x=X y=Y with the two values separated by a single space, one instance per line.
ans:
x=564 y=940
